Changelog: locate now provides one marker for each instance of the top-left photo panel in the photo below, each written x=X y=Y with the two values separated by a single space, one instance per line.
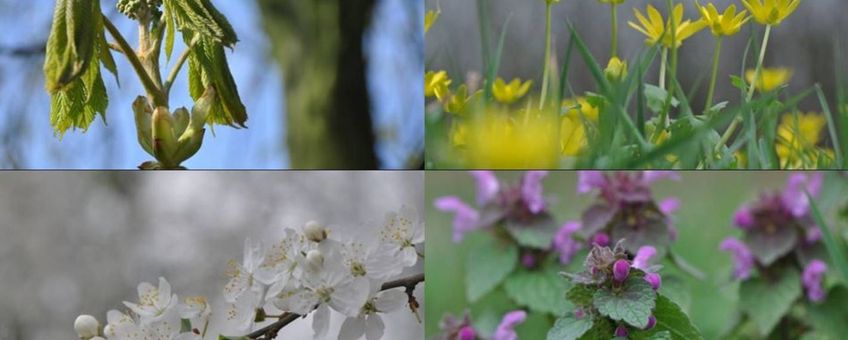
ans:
x=211 y=84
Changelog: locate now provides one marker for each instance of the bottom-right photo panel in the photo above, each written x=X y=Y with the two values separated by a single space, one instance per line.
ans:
x=636 y=255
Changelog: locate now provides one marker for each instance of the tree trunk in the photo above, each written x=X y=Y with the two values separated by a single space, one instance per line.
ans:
x=318 y=44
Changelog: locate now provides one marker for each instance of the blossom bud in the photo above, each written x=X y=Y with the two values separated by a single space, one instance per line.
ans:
x=652 y=321
x=86 y=326
x=314 y=259
x=108 y=330
x=621 y=331
x=620 y=270
x=315 y=232
x=654 y=279
x=467 y=333
x=616 y=70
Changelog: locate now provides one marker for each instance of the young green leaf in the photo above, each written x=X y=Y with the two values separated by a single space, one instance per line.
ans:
x=569 y=328
x=632 y=304
x=487 y=264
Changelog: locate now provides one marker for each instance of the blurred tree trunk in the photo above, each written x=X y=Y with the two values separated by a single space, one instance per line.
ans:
x=318 y=44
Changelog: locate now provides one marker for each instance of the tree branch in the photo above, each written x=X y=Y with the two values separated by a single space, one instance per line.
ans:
x=270 y=332
x=148 y=83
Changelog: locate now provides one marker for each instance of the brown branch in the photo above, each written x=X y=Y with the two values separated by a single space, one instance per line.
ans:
x=270 y=332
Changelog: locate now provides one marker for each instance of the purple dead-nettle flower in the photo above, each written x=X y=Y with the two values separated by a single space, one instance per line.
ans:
x=626 y=209
x=487 y=186
x=564 y=244
x=743 y=261
x=794 y=197
x=812 y=280
x=652 y=321
x=531 y=191
x=528 y=260
x=579 y=313
x=743 y=218
x=654 y=279
x=620 y=270
x=452 y=328
x=465 y=217
x=601 y=240
x=643 y=257
x=506 y=329
x=621 y=331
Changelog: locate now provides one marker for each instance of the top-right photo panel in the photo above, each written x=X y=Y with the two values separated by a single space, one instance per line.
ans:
x=636 y=84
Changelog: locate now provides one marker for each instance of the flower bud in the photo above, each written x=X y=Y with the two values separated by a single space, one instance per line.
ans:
x=528 y=260
x=652 y=321
x=164 y=141
x=579 y=313
x=109 y=330
x=620 y=270
x=616 y=70
x=743 y=218
x=315 y=232
x=86 y=326
x=654 y=279
x=466 y=333
x=314 y=260
x=621 y=331
x=601 y=239
x=143 y=123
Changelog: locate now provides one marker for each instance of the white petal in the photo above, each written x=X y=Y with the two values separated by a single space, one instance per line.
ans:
x=408 y=256
x=390 y=300
x=164 y=297
x=374 y=327
x=352 y=328
x=321 y=322
x=349 y=298
x=236 y=286
x=299 y=301
x=383 y=263
x=145 y=289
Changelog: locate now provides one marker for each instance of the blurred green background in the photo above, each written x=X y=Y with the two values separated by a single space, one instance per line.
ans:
x=708 y=201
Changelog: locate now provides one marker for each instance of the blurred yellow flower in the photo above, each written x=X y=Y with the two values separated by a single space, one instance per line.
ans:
x=798 y=135
x=458 y=101
x=771 y=12
x=529 y=140
x=616 y=69
x=429 y=19
x=459 y=134
x=726 y=24
x=436 y=84
x=770 y=78
x=659 y=31
x=512 y=92
x=573 y=125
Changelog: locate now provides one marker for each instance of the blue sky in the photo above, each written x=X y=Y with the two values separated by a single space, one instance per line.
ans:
x=24 y=106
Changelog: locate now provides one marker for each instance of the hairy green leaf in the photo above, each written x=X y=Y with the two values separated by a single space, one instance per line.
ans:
x=487 y=264
x=569 y=328
x=767 y=301
x=540 y=290
x=632 y=304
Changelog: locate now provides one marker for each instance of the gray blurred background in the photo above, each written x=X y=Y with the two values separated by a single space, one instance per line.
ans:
x=805 y=42
x=73 y=243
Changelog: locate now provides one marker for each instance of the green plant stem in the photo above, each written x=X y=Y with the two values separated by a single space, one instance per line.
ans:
x=180 y=62
x=149 y=85
x=711 y=91
x=663 y=62
x=614 y=38
x=738 y=120
x=547 y=67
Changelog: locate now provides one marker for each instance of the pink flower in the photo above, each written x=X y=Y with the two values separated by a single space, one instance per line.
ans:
x=590 y=180
x=669 y=205
x=466 y=333
x=487 y=186
x=506 y=329
x=794 y=197
x=621 y=331
x=743 y=218
x=601 y=240
x=531 y=191
x=812 y=280
x=742 y=257
x=652 y=321
x=564 y=244
x=654 y=279
x=620 y=270
x=465 y=218
x=643 y=256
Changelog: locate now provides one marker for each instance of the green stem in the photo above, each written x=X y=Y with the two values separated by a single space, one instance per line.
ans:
x=663 y=62
x=738 y=120
x=176 y=70
x=614 y=17
x=546 y=74
x=149 y=85
x=711 y=92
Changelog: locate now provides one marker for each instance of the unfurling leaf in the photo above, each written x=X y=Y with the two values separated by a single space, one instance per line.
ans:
x=201 y=17
x=143 y=123
x=208 y=67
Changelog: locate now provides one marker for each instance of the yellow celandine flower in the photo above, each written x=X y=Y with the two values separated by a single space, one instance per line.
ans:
x=770 y=78
x=659 y=31
x=512 y=92
x=573 y=125
x=798 y=136
x=528 y=140
x=436 y=84
x=429 y=19
x=458 y=101
x=459 y=134
x=616 y=69
x=771 y=12
x=726 y=24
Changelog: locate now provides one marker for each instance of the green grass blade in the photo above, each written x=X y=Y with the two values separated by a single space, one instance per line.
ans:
x=831 y=127
x=835 y=249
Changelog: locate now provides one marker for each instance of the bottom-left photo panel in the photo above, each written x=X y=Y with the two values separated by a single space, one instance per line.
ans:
x=212 y=255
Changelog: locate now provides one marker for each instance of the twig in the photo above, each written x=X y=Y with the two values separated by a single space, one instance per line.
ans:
x=176 y=70
x=270 y=332
x=149 y=84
